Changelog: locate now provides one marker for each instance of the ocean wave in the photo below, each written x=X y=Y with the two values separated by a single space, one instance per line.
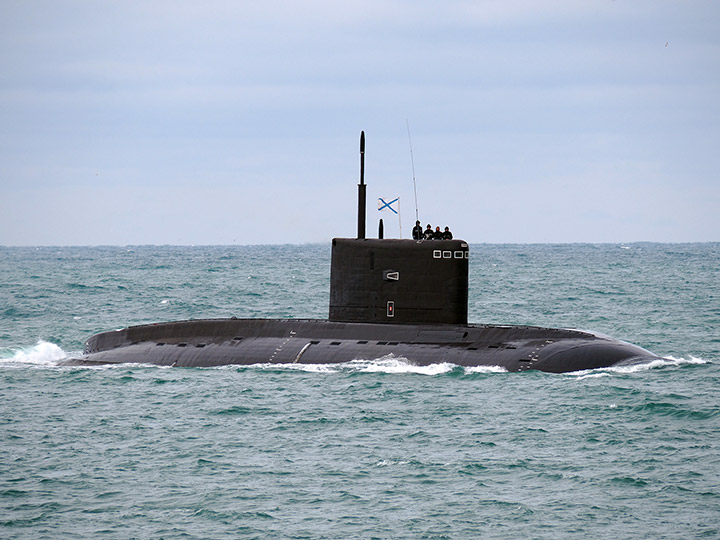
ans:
x=386 y=364
x=393 y=364
x=396 y=365
x=485 y=369
x=658 y=363
x=43 y=353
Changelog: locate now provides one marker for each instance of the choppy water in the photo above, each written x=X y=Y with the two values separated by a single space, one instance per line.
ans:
x=370 y=449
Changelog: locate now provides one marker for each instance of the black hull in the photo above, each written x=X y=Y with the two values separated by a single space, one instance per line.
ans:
x=218 y=342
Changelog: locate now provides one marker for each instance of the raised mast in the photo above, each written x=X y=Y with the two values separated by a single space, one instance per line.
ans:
x=361 y=190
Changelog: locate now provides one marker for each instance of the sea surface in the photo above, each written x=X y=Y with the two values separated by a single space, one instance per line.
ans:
x=375 y=448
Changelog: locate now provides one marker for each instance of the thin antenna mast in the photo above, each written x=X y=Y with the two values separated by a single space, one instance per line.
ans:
x=412 y=162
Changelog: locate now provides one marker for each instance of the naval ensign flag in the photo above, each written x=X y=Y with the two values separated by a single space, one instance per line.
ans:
x=393 y=206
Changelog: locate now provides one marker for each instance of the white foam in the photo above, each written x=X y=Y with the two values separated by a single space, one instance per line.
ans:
x=636 y=368
x=42 y=354
x=385 y=364
x=393 y=364
x=485 y=369
x=310 y=368
x=690 y=360
x=390 y=462
x=589 y=375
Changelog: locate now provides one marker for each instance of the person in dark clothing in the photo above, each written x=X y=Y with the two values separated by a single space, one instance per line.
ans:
x=437 y=235
x=417 y=231
x=447 y=235
x=429 y=233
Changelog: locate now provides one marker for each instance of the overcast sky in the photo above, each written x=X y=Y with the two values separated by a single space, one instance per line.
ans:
x=233 y=122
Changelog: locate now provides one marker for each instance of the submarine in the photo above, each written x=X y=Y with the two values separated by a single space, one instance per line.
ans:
x=389 y=298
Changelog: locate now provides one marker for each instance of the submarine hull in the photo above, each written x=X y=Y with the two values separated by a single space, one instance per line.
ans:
x=218 y=342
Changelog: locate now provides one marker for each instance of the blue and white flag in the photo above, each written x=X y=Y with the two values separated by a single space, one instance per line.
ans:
x=383 y=205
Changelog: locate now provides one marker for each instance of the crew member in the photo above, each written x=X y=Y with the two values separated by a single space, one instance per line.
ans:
x=447 y=235
x=417 y=231
x=429 y=233
x=437 y=235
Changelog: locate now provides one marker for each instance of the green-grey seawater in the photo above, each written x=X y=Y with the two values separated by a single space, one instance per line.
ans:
x=371 y=449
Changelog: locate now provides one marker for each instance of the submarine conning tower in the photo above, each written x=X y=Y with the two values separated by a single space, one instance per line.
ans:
x=394 y=280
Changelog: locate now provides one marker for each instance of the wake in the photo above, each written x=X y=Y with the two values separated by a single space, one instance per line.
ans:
x=43 y=353
x=659 y=363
